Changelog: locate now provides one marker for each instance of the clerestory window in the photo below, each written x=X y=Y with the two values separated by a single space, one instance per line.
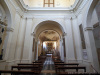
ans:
x=48 y=3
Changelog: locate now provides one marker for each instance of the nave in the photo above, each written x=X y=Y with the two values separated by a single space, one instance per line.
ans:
x=48 y=66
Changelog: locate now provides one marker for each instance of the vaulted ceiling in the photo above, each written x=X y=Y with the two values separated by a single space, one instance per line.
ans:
x=57 y=3
x=49 y=35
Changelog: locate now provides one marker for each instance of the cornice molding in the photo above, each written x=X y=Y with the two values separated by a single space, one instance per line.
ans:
x=76 y=4
x=75 y=9
x=18 y=9
x=79 y=9
x=33 y=34
x=88 y=28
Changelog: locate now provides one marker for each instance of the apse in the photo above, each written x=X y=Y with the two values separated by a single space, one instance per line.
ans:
x=49 y=40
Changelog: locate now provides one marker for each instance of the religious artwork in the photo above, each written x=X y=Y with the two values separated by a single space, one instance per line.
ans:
x=82 y=37
x=2 y=36
x=85 y=56
x=96 y=32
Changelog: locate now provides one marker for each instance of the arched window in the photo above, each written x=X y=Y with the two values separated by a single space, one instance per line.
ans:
x=48 y=3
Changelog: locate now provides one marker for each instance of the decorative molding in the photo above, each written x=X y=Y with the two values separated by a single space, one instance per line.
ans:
x=11 y=61
x=56 y=8
x=2 y=61
x=33 y=34
x=64 y=34
x=2 y=23
x=88 y=28
x=9 y=29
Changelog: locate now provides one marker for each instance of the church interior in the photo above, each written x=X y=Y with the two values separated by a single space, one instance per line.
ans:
x=49 y=37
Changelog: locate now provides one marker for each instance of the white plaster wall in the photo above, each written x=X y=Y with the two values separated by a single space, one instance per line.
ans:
x=77 y=40
x=19 y=45
x=69 y=40
x=12 y=34
x=89 y=39
x=94 y=19
x=27 y=41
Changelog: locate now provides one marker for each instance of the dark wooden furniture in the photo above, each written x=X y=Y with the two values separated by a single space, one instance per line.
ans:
x=36 y=69
x=73 y=73
x=58 y=69
x=18 y=72
x=75 y=64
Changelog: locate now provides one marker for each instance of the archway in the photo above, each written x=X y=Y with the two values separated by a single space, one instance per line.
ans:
x=49 y=32
x=92 y=54
x=5 y=18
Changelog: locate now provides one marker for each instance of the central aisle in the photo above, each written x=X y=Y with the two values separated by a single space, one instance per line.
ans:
x=48 y=67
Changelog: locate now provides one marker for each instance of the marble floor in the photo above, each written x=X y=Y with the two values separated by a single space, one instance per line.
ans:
x=48 y=67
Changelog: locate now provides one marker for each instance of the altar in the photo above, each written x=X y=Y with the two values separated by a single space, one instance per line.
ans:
x=49 y=54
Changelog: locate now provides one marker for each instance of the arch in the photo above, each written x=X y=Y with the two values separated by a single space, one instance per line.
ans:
x=4 y=6
x=7 y=11
x=53 y=30
x=89 y=11
x=89 y=34
x=2 y=13
x=37 y=25
x=60 y=28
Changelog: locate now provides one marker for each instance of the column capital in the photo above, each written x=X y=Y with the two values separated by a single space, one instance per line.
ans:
x=64 y=34
x=33 y=34
x=9 y=29
x=88 y=28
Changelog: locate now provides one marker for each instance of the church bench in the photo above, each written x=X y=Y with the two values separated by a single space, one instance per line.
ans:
x=77 y=73
x=38 y=64
x=67 y=64
x=64 y=64
x=31 y=64
x=58 y=69
x=33 y=68
x=18 y=72
x=58 y=64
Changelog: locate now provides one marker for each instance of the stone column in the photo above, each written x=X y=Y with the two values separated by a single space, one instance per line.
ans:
x=9 y=32
x=37 y=50
x=91 y=48
x=33 y=47
x=77 y=39
x=61 y=49
x=20 y=40
x=27 y=42
x=70 y=53
x=12 y=49
x=64 y=45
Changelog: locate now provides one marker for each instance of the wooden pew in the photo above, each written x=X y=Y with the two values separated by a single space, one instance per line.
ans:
x=64 y=64
x=33 y=68
x=40 y=65
x=73 y=73
x=57 y=64
x=30 y=64
x=58 y=69
x=18 y=72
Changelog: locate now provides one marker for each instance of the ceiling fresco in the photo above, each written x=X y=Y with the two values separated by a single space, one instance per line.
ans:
x=49 y=35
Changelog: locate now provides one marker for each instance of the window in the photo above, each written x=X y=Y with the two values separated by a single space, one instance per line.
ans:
x=48 y=3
